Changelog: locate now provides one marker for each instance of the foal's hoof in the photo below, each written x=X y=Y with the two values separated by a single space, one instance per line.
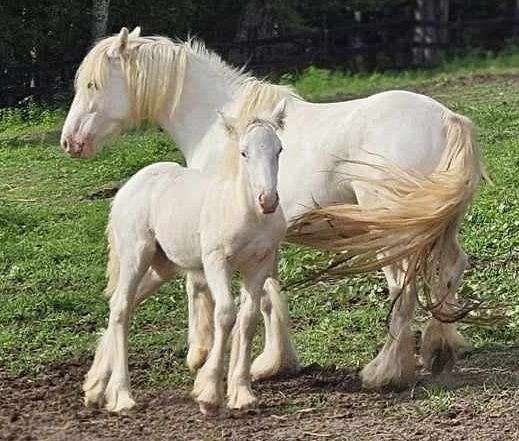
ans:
x=118 y=400
x=241 y=398
x=94 y=392
x=196 y=357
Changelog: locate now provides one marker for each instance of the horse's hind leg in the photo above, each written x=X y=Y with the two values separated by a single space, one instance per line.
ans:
x=108 y=378
x=395 y=364
x=201 y=307
x=441 y=342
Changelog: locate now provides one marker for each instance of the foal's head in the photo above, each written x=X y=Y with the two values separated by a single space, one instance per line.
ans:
x=259 y=147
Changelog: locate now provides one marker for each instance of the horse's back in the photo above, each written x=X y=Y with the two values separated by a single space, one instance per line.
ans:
x=403 y=128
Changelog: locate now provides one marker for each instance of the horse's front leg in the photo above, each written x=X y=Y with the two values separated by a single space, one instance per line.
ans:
x=279 y=355
x=239 y=389
x=208 y=388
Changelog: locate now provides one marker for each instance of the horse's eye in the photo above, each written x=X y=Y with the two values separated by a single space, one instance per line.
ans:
x=244 y=154
x=91 y=84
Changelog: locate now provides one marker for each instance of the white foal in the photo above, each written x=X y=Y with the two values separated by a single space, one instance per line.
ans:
x=169 y=219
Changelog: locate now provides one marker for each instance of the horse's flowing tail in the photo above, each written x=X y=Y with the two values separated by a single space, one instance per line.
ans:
x=415 y=218
x=112 y=268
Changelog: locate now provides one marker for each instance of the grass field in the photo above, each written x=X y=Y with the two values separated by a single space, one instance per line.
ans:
x=52 y=245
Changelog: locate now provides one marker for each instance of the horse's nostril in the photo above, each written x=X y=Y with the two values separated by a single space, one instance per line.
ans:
x=64 y=145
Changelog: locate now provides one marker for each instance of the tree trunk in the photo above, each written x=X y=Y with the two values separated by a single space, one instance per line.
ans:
x=256 y=21
x=516 y=17
x=99 y=18
x=425 y=35
x=443 y=13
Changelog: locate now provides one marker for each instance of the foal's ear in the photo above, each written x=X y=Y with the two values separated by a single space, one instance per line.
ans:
x=120 y=45
x=279 y=114
x=136 y=32
x=229 y=123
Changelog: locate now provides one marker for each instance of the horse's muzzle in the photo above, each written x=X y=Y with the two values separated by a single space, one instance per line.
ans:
x=77 y=149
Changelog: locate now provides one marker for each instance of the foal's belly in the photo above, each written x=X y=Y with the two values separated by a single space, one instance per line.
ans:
x=176 y=219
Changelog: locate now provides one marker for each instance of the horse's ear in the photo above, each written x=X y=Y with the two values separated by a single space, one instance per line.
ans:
x=279 y=114
x=136 y=32
x=229 y=124
x=120 y=45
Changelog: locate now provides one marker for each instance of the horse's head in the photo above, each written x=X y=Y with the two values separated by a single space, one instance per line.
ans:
x=259 y=148
x=101 y=106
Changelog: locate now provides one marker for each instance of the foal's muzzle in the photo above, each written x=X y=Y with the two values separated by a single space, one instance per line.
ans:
x=268 y=202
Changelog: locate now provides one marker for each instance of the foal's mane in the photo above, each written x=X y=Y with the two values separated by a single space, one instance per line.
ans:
x=155 y=67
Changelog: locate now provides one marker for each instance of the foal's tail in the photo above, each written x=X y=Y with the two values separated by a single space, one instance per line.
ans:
x=414 y=218
x=112 y=268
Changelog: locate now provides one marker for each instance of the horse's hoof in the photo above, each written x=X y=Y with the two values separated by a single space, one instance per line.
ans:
x=442 y=360
x=209 y=409
x=265 y=367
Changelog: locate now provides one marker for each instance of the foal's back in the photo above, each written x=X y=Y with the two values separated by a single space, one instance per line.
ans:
x=162 y=203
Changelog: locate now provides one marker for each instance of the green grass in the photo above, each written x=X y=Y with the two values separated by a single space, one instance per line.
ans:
x=323 y=84
x=52 y=246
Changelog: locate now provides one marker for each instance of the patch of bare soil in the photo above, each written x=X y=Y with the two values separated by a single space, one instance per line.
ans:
x=480 y=401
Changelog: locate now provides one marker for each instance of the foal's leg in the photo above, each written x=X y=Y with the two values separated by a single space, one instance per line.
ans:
x=208 y=388
x=395 y=364
x=201 y=307
x=108 y=378
x=160 y=271
x=278 y=355
x=239 y=389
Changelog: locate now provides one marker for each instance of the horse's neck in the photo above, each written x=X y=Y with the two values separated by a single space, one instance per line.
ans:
x=205 y=90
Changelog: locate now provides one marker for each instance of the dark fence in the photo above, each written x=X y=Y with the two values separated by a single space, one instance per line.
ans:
x=384 y=44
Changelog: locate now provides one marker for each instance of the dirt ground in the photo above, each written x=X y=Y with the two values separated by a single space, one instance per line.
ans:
x=479 y=401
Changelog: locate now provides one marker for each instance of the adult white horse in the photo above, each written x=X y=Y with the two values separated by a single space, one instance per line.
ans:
x=168 y=219
x=128 y=78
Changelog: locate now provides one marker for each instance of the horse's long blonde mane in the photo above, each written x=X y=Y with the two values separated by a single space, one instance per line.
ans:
x=155 y=68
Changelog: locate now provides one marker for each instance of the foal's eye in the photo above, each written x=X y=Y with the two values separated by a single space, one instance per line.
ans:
x=244 y=154
x=91 y=84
